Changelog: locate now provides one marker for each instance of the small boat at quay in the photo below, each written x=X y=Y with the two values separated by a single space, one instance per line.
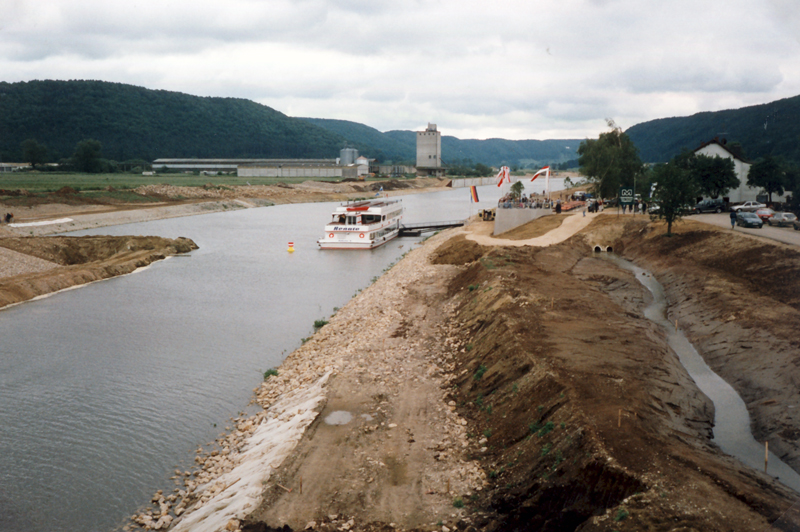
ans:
x=363 y=225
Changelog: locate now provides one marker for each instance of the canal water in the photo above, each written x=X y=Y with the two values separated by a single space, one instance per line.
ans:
x=107 y=389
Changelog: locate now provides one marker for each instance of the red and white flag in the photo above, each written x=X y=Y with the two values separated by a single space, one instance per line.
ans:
x=545 y=171
x=503 y=175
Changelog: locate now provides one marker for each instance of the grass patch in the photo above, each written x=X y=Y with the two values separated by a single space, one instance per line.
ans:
x=319 y=324
x=458 y=502
x=488 y=264
x=478 y=374
x=270 y=373
x=52 y=181
x=621 y=515
x=546 y=429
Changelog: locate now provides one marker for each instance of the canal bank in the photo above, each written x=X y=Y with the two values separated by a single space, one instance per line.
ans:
x=500 y=388
x=126 y=378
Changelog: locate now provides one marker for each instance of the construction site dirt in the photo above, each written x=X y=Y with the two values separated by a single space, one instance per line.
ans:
x=576 y=413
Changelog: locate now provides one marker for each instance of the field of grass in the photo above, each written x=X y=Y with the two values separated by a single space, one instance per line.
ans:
x=52 y=181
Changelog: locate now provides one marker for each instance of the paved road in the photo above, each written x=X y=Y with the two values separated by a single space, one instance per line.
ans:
x=786 y=235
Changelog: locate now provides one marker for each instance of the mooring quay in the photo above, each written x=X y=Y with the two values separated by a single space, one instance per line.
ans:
x=427 y=227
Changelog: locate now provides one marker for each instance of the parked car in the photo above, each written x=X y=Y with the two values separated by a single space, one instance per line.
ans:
x=765 y=214
x=796 y=225
x=748 y=219
x=709 y=205
x=782 y=219
x=748 y=206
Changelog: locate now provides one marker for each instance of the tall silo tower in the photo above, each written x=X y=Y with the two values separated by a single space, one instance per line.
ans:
x=429 y=152
x=348 y=156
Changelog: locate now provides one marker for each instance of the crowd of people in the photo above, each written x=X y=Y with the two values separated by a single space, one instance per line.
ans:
x=523 y=202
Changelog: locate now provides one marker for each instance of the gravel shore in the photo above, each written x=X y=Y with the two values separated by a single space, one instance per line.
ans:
x=386 y=372
x=14 y=263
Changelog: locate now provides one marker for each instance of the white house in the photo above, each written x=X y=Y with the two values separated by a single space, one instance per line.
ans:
x=744 y=192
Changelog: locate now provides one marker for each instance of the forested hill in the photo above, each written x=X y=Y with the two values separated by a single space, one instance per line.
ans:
x=137 y=123
x=402 y=145
x=768 y=129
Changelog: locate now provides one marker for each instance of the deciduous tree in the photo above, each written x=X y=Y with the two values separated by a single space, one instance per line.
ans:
x=610 y=161
x=675 y=187
x=33 y=152
x=715 y=176
x=768 y=174
x=87 y=156
x=516 y=190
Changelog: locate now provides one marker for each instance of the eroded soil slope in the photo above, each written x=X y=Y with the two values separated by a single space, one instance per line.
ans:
x=79 y=260
x=738 y=299
x=581 y=415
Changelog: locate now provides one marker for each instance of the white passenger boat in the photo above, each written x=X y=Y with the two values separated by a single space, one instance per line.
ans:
x=363 y=225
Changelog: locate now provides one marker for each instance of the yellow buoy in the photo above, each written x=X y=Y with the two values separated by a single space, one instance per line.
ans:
x=291 y=247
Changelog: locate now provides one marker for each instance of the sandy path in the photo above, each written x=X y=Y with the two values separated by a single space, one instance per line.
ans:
x=571 y=225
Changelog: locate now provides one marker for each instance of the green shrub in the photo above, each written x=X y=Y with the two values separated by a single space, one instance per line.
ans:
x=458 y=502
x=480 y=372
x=270 y=373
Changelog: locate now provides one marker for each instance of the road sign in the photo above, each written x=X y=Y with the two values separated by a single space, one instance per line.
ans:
x=626 y=195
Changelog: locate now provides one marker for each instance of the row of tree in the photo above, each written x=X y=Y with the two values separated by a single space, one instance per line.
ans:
x=612 y=161
x=87 y=157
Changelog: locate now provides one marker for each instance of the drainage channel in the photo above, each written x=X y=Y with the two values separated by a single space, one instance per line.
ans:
x=731 y=419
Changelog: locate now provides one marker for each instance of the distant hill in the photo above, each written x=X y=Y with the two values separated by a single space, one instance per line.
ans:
x=402 y=146
x=767 y=129
x=384 y=147
x=137 y=123
x=133 y=122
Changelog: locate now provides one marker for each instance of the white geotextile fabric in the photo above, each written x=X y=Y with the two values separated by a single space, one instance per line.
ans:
x=45 y=222
x=264 y=451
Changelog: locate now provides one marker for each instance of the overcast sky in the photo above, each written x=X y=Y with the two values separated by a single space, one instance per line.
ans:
x=515 y=69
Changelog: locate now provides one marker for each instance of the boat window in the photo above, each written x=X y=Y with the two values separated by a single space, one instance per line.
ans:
x=351 y=220
x=384 y=217
x=370 y=218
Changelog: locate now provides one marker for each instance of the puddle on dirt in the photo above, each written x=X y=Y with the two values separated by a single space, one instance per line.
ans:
x=340 y=417
x=731 y=419
x=367 y=417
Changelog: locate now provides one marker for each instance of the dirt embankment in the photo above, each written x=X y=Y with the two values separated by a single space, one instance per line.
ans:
x=578 y=414
x=35 y=266
x=738 y=300
x=581 y=415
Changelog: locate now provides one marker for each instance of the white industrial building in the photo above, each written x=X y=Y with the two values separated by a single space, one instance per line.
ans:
x=744 y=192
x=332 y=168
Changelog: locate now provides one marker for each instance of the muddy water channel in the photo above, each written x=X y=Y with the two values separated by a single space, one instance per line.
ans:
x=731 y=419
x=107 y=389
